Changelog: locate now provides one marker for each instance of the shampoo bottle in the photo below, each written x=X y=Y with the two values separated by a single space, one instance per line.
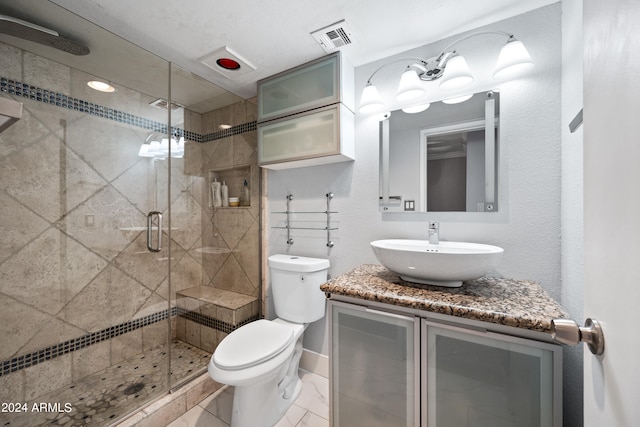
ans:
x=216 y=194
x=246 y=200
x=225 y=194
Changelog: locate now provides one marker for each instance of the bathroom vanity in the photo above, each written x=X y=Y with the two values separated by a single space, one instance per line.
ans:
x=413 y=355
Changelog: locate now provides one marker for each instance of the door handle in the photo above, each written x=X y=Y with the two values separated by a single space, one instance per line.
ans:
x=566 y=331
x=150 y=217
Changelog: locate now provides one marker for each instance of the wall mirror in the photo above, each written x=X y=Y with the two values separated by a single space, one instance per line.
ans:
x=443 y=159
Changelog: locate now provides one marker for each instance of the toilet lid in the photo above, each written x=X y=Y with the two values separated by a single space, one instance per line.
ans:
x=252 y=344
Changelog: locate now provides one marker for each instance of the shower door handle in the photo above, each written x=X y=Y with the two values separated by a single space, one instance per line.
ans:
x=150 y=220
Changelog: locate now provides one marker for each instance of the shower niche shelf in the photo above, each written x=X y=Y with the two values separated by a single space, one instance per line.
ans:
x=327 y=227
x=234 y=177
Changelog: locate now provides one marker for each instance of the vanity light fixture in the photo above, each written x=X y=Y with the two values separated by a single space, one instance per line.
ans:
x=157 y=146
x=449 y=67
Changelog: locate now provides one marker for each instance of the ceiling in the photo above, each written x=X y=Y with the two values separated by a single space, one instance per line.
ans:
x=272 y=36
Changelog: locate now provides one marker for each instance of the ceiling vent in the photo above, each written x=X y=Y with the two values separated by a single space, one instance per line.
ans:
x=334 y=36
x=162 y=103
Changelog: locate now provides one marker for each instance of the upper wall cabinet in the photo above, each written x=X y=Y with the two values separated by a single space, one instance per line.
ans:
x=315 y=84
x=305 y=115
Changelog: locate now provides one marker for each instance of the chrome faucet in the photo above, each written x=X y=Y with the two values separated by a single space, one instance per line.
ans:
x=434 y=231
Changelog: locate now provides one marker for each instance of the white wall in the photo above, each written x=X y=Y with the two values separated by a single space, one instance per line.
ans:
x=528 y=224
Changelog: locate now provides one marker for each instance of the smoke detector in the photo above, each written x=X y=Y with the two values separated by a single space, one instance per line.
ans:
x=334 y=36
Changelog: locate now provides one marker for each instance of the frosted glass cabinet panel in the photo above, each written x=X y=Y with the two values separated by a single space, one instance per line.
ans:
x=374 y=368
x=321 y=136
x=480 y=379
x=312 y=85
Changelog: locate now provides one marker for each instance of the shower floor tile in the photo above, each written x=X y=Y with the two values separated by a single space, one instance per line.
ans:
x=102 y=398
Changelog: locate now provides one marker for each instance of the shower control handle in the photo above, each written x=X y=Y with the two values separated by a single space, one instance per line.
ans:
x=150 y=220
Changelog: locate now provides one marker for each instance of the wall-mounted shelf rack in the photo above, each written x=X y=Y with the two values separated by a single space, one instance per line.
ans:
x=328 y=228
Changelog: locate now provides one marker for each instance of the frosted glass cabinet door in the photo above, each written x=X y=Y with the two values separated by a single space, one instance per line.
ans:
x=305 y=136
x=305 y=87
x=480 y=379
x=374 y=368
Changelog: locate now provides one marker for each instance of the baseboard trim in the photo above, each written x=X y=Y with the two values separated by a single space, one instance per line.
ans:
x=315 y=362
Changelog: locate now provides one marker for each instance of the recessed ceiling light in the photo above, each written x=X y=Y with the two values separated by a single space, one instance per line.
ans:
x=101 y=86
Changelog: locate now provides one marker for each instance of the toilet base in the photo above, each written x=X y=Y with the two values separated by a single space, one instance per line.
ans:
x=251 y=409
x=263 y=404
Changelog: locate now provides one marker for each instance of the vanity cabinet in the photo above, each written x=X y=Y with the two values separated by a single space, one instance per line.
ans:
x=479 y=378
x=305 y=115
x=374 y=367
x=394 y=369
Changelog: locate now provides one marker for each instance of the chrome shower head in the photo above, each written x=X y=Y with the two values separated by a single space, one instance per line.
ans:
x=35 y=33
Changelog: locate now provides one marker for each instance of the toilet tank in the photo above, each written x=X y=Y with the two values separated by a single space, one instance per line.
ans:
x=295 y=284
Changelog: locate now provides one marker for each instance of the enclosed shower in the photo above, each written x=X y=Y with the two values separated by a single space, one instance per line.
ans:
x=118 y=277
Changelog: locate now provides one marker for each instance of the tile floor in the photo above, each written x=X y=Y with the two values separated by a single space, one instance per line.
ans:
x=311 y=409
x=106 y=395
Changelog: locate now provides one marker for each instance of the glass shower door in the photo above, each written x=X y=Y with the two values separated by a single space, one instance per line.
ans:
x=84 y=305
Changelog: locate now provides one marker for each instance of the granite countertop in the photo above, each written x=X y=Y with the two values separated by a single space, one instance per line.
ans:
x=517 y=303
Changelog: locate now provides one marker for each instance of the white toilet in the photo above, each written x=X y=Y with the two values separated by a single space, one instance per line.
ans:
x=261 y=358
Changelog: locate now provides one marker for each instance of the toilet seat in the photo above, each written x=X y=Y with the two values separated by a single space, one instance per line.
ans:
x=252 y=344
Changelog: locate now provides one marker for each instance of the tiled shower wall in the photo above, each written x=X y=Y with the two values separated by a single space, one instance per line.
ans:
x=230 y=236
x=75 y=274
x=229 y=247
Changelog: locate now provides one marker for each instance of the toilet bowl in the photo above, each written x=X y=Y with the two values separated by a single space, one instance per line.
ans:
x=261 y=359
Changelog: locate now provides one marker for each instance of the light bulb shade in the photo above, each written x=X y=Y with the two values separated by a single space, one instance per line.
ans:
x=416 y=108
x=370 y=101
x=513 y=59
x=144 y=151
x=164 y=146
x=154 y=147
x=410 y=87
x=456 y=74
x=457 y=99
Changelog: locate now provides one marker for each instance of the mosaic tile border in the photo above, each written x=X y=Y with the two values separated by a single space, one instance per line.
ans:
x=75 y=344
x=234 y=130
x=69 y=346
x=25 y=90
x=212 y=322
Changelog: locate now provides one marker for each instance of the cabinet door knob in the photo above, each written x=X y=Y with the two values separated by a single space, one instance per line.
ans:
x=566 y=331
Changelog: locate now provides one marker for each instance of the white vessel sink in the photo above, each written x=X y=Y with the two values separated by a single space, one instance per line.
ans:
x=443 y=264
